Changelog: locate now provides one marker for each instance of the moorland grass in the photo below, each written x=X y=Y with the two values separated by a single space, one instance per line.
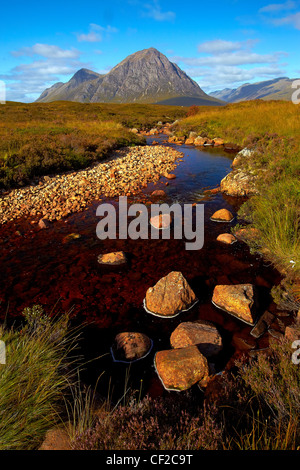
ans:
x=36 y=378
x=42 y=138
x=272 y=130
x=238 y=121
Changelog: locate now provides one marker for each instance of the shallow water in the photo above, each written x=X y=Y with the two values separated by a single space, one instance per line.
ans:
x=47 y=268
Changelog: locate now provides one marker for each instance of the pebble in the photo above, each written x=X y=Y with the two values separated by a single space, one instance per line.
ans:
x=124 y=173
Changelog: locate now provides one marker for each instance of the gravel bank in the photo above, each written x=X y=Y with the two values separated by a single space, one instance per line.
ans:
x=125 y=173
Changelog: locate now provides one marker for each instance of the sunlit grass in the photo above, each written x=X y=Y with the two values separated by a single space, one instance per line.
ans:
x=41 y=138
x=35 y=379
x=236 y=122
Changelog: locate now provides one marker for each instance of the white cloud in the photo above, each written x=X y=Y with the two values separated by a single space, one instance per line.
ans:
x=95 y=33
x=218 y=46
x=293 y=20
x=153 y=10
x=274 y=9
x=277 y=7
x=234 y=59
x=230 y=63
x=26 y=81
x=90 y=37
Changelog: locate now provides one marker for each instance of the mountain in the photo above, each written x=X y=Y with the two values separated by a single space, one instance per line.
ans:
x=146 y=76
x=76 y=89
x=276 y=89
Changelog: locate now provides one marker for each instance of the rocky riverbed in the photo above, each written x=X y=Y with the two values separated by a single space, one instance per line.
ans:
x=126 y=172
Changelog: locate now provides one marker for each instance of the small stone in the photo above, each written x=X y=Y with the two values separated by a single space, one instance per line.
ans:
x=161 y=221
x=201 y=333
x=263 y=324
x=158 y=193
x=169 y=176
x=56 y=439
x=43 y=224
x=217 y=142
x=291 y=333
x=222 y=215
x=276 y=334
x=113 y=259
x=226 y=238
x=170 y=296
x=130 y=346
x=200 y=141
x=237 y=300
x=70 y=237
x=180 y=369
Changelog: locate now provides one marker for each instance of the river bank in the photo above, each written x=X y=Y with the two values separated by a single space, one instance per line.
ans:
x=124 y=173
x=58 y=266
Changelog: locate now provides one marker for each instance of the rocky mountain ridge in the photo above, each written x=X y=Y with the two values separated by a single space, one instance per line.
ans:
x=146 y=76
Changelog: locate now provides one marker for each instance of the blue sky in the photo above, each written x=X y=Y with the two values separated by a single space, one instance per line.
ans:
x=220 y=44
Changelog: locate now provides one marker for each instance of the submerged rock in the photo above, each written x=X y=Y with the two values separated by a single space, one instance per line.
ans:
x=43 y=224
x=222 y=215
x=130 y=346
x=169 y=176
x=158 y=193
x=113 y=259
x=170 y=296
x=179 y=369
x=161 y=221
x=238 y=300
x=201 y=333
x=263 y=324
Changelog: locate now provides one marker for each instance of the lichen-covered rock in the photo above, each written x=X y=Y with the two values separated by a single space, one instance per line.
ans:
x=201 y=333
x=179 y=369
x=239 y=183
x=238 y=300
x=170 y=296
x=130 y=346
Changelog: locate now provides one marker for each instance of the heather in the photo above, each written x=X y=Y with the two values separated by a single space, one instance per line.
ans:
x=254 y=406
x=39 y=139
x=257 y=408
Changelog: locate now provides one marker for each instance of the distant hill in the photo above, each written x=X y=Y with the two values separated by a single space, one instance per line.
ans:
x=146 y=76
x=276 y=89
